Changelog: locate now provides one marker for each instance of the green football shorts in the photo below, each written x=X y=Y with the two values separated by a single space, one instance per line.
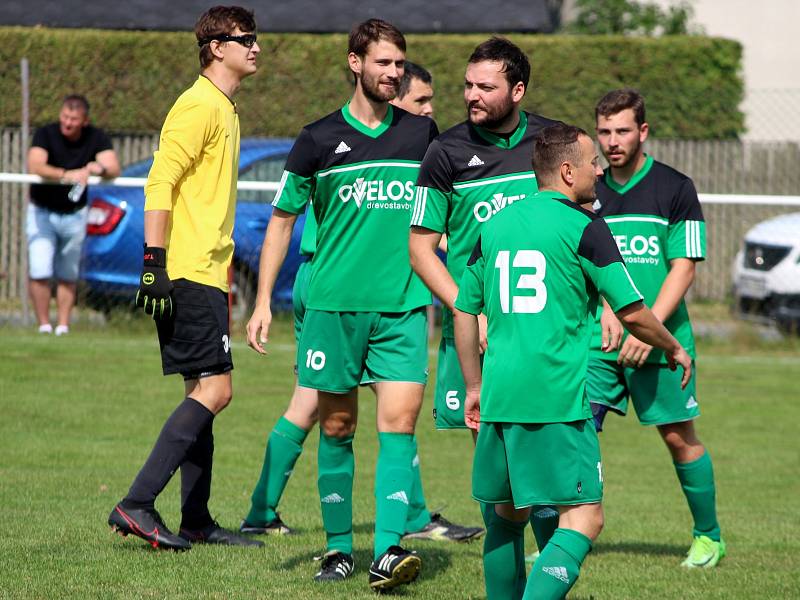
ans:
x=655 y=390
x=537 y=463
x=339 y=350
x=448 y=404
x=300 y=297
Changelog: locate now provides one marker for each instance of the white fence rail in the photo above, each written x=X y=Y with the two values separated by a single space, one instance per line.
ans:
x=743 y=183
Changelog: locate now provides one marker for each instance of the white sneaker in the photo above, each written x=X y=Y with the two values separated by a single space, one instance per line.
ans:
x=62 y=330
x=46 y=328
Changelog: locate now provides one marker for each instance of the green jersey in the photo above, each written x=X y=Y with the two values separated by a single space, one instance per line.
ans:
x=467 y=176
x=360 y=182
x=536 y=272
x=655 y=218
x=308 y=239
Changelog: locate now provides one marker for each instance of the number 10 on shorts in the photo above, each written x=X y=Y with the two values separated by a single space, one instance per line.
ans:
x=315 y=359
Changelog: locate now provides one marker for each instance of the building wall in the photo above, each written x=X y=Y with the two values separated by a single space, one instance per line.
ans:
x=768 y=33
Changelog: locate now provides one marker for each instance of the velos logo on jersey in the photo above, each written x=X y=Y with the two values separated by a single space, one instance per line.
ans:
x=484 y=210
x=378 y=193
x=639 y=249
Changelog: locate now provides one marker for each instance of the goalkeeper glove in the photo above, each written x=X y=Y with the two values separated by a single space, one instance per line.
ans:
x=155 y=287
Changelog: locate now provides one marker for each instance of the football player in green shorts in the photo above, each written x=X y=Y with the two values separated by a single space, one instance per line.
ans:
x=536 y=272
x=285 y=441
x=471 y=172
x=655 y=216
x=365 y=318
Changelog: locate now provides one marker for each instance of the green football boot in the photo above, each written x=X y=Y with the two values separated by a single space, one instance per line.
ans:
x=705 y=553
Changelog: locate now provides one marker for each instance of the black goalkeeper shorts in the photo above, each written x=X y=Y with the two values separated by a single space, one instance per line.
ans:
x=195 y=342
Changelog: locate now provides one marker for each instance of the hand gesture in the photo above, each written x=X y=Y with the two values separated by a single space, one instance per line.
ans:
x=472 y=409
x=258 y=327
x=634 y=352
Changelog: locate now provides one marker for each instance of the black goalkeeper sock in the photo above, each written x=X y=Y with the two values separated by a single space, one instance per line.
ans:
x=179 y=433
x=196 y=481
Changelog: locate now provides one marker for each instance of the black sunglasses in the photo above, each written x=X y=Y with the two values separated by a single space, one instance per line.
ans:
x=247 y=40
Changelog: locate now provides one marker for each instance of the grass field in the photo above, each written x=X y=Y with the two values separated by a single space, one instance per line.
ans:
x=79 y=415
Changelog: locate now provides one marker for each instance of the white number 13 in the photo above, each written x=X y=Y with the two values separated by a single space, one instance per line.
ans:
x=530 y=281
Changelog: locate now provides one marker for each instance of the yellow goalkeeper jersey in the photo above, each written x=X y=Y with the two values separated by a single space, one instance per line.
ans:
x=194 y=176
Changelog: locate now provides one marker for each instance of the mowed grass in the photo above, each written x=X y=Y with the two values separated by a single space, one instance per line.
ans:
x=80 y=414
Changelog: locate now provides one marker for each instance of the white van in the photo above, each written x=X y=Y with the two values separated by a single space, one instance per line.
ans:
x=766 y=272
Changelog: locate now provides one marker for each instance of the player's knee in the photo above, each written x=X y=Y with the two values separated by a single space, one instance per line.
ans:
x=679 y=439
x=509 y=513
x=598 y=522
x=338 y=427
x=397 y=425
x=304 y=419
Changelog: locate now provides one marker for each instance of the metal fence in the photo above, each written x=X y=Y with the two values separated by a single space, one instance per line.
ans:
x=717 y=167
x=130 y=148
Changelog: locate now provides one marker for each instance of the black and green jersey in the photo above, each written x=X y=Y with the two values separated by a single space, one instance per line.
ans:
x=536 y=272
x=360 y=182
x=468 y=175
x=655 y=218
x=308 y=239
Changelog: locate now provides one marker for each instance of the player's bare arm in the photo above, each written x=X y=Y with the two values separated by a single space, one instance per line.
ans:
x=641 y=322
x=273 y=253
x=155 y=227
x=467 y=345
x=611 y=327
x=422 y=245
x=634 y=352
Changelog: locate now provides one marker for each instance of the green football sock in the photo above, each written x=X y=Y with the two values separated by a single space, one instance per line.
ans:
x=418 y=514
x=335 y=482
x=697 y=481
x=544 y=522
x=393 y=481
x=503 y=557
x=558 y=566
x=284 y=446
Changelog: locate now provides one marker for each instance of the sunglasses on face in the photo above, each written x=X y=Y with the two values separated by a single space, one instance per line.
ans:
x=247 y=40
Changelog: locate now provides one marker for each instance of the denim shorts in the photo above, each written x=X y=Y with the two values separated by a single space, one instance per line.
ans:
x=54 y=243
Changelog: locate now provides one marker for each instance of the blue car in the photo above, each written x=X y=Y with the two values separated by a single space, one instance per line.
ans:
x=112 y=254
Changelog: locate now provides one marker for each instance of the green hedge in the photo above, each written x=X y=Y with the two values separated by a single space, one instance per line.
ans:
x=692 y=84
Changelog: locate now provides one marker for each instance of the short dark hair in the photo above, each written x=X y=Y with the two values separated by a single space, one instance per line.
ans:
x=499 y=49
x=374 y=30
x=554 y=145
x=217 y=21
x=412 y=71
x=76 y=102
x=618 y=100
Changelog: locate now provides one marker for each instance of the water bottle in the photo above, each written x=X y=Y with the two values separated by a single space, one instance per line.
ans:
x=75 y=192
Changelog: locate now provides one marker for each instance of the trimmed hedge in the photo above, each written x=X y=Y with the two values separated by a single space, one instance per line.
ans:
x=692 y=84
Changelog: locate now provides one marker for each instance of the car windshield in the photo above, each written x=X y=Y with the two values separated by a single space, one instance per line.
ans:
x=266 y=169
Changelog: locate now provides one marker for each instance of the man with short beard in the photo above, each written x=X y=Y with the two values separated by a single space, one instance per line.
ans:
x=286 y=440
x=536 y=272
x=471 y=172
x=655 y=215
x=365 y=318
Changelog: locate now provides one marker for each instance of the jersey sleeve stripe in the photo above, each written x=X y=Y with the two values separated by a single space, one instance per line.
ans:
x=694 y=246
x=281 y=185
x=419 y=207
x=633 y=285
x=698 y=239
